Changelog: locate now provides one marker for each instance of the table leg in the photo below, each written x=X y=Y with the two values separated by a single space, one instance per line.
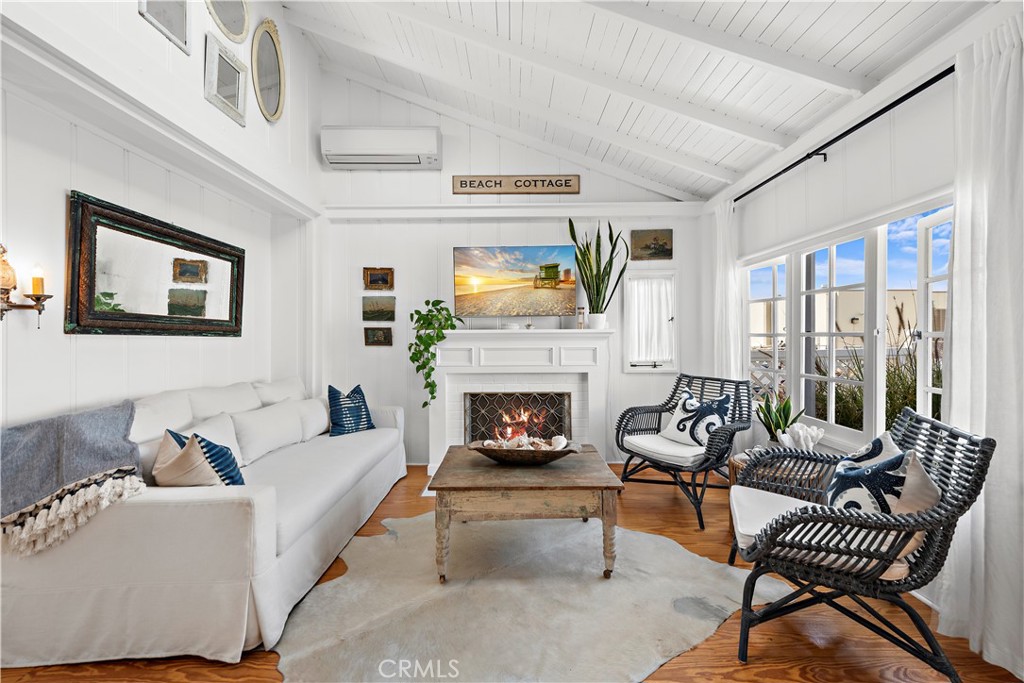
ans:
x=609 y=517
x=442 y=522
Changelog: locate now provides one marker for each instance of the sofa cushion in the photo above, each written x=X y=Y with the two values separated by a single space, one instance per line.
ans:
x=281 y=390
x=194 y=461
x=154 y=414
x=313 y=415
x=665 y=450
x=266 y=429
x=312 y=477
x=234 y=398
x=219 y=429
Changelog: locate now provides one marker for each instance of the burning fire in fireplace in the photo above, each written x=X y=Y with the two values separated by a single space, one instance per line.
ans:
x=522 y=422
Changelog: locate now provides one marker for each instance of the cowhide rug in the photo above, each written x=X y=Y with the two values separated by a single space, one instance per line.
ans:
x=524 y=601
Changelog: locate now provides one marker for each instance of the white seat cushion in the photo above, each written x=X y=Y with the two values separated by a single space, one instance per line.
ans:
x=338 y=464
x=753 y=509
x=665 y=450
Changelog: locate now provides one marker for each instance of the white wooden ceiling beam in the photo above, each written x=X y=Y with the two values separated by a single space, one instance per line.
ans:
x=748 y=51
x=589 y=77
x=511 y=133
x=539 y=110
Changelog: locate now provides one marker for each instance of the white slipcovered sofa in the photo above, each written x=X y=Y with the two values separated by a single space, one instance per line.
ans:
x=209 y=571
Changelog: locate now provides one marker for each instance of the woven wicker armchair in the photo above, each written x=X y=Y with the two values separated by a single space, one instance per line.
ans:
x=689 y=473
x=831 y=553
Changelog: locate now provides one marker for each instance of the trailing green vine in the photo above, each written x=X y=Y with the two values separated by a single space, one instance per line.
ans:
x=430 y=325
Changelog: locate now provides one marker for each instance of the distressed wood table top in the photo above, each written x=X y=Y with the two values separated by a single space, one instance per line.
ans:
x=463 y=469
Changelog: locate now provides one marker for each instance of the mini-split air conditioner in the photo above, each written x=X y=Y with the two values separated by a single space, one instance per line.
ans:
x=352 y=148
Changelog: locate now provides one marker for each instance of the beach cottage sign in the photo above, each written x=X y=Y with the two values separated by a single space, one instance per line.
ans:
x=515 y=184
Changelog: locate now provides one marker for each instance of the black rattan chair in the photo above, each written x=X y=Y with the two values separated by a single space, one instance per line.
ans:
x=830 y=553
x=690 y=474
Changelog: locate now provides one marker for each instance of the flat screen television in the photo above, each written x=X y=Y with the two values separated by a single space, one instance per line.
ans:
x=515 y=281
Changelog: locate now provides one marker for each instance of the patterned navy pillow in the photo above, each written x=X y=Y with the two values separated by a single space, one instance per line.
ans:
x=694 y=420
x=349 y=412
x=180 y=468
x=875 y=487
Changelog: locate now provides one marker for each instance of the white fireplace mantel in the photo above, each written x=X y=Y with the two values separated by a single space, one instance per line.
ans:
x=521 y=354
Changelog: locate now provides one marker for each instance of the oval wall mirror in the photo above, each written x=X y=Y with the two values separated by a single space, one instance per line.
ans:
x=268 y=70
x=232 y=16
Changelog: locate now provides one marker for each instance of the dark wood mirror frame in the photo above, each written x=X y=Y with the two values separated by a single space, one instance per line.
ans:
x=85 y=213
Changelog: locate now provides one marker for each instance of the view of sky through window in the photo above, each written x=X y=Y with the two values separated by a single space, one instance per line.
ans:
x=902 y=254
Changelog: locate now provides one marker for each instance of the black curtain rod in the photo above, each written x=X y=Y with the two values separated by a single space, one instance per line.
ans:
x=820 y=151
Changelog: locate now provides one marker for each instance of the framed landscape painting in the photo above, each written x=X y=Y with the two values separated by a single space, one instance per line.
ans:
x=651 y=245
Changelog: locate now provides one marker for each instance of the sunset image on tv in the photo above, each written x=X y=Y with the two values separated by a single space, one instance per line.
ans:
x=515 y=281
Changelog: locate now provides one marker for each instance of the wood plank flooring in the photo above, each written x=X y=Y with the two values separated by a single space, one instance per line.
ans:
x=815 y=646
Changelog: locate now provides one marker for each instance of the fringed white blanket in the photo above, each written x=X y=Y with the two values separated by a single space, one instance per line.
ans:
x=59 y=472
x=53 y=519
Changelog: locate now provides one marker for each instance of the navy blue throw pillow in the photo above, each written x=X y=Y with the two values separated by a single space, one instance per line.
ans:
x=220 y=458
x=875 y=487
x=349 y=412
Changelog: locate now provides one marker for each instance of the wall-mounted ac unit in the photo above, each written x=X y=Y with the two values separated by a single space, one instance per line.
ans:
x=354 y=148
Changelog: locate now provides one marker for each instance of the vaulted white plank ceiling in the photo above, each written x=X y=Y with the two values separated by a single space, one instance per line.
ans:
x=680 y=97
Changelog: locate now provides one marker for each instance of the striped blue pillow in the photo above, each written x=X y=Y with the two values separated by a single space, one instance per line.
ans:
x=349 y=412
x=220 y=458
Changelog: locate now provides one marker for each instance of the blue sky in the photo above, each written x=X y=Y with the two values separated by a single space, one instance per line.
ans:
x=511 y=263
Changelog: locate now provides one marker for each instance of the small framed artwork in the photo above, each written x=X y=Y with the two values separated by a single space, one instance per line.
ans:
x=379 y=309
x=377 y=336
x=226 y=78
x=651 y=245
x=190 y=271
x=171 y=18
x=379 y=278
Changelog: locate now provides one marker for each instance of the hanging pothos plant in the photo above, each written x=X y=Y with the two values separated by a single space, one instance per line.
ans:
x=430 y=325
x=595 y=274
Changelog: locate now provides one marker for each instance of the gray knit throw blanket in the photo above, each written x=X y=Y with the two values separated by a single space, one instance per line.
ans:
x=59 y=472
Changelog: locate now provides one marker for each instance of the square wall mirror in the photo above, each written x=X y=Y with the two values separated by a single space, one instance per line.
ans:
x=171 y=18
x=226 y=79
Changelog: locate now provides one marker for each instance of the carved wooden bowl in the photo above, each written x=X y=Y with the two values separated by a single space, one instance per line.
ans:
x=523 y=457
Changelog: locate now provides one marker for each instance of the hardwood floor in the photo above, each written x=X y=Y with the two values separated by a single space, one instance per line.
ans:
x=816 y=646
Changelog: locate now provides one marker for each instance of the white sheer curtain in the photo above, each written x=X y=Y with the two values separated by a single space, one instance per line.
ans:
x=980 y=594
x=728 y=330
x=649 y=331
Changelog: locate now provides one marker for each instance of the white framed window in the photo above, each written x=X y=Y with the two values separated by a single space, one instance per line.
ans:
x=766 y=328
x=857 y=330
x=649 y=343
x=838 y=371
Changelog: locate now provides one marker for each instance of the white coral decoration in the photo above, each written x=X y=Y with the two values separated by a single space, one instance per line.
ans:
x=801 y=436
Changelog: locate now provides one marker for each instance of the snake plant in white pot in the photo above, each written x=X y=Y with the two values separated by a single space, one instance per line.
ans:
x=595 y=274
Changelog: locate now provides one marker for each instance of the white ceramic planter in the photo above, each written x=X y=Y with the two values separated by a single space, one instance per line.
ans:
x=597 y=321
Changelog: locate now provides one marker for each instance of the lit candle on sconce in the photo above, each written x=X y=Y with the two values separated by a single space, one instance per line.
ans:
x=37 y=280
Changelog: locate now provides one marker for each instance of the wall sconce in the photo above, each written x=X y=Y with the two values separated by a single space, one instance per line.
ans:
x=9 y=283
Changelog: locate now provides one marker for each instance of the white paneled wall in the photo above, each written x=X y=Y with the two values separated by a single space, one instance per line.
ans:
x=894 y=160
x=46 y=372
x=421 y=254
x=118 y=48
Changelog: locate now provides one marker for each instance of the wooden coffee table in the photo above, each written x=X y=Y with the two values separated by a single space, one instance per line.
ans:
x=471 y=487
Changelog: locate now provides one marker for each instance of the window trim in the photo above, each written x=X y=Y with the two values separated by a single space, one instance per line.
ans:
x=627 y=324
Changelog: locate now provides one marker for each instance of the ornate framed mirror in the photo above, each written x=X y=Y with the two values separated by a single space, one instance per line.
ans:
x=171 y=18
x=226 y=78
x=232 y=17
x=132 y=274
x=268 y=70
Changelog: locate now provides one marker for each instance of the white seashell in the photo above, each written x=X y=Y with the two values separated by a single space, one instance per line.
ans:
x=558 y=442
